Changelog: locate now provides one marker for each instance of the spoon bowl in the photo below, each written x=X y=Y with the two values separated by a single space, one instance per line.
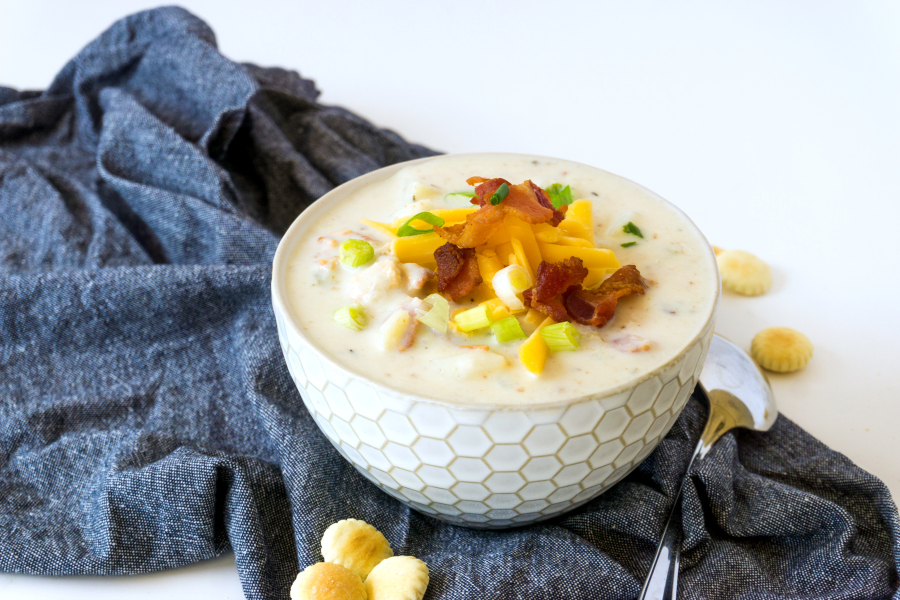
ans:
x=739 y=393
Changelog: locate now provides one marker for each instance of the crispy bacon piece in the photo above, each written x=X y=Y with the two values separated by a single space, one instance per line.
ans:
x=544 y=199
x=526 y=201
x=475 y=231
x=457 y=271
x=553 y=279
x=553 y=307
x=450 y=260
x=588 y=309
x=627 y=280
x=485 y=188
x=596 y=307
x=520 y=201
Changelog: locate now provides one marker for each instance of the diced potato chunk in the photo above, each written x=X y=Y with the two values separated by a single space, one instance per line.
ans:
x=414 y=208
x=419 y=191
x=475 y=363
x=394 y=329
x=376 y=281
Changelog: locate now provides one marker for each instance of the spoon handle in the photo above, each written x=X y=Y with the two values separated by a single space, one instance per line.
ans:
x=662 y=580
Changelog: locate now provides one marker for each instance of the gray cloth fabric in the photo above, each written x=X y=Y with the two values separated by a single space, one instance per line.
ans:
x=147 y=419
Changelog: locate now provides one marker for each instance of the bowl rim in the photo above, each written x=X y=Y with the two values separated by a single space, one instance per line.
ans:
x=282 y=307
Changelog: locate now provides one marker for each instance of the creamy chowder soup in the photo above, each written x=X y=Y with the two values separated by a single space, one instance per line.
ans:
x=394 y=288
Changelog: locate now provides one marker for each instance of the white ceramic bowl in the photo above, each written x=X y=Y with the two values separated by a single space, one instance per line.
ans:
x=480 y=466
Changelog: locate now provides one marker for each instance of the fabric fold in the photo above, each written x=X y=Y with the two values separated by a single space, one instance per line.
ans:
x=148 y=420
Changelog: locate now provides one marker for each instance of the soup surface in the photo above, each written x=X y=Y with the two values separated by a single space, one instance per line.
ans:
x=646 y=332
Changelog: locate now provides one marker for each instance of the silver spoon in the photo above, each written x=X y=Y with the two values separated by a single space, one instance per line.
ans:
x=739 y=396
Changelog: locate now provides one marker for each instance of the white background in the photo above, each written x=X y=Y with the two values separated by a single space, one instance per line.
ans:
x=774 y=125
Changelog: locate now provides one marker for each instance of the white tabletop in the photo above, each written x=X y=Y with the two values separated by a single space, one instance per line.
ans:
x=773 y=125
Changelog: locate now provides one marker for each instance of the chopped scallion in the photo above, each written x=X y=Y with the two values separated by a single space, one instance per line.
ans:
x=352 y=317
x=438 y=318
x=561 y=337
x=507 y=330
x=501 y=193
x=356 y=253
x=559 y=195
x=474 y=318
x=407 y=230
x=509 y=282
x=628 y=244
x=631 y=228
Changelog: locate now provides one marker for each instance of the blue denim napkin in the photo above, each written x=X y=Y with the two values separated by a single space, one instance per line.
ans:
x=147 y=419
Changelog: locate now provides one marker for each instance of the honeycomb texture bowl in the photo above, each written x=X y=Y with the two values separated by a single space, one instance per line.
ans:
x=490 y=467
x=478 y=466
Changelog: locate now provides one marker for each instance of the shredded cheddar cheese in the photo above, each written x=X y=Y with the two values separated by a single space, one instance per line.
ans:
x=533 y=351
x=417 y=249
x=591 y=257
x=514 y=242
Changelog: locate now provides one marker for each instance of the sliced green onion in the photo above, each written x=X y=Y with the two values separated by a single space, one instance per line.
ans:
x=352 y=317
x=561 y=337
x=407 y=230
x=631 y=228
x=438 y=318
x=474 y=318
x=559 y=195
x=507 y=330
x=628 y=244
x=500 y=194
x=356 y=253
x=509 y=282
x=459 y=196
